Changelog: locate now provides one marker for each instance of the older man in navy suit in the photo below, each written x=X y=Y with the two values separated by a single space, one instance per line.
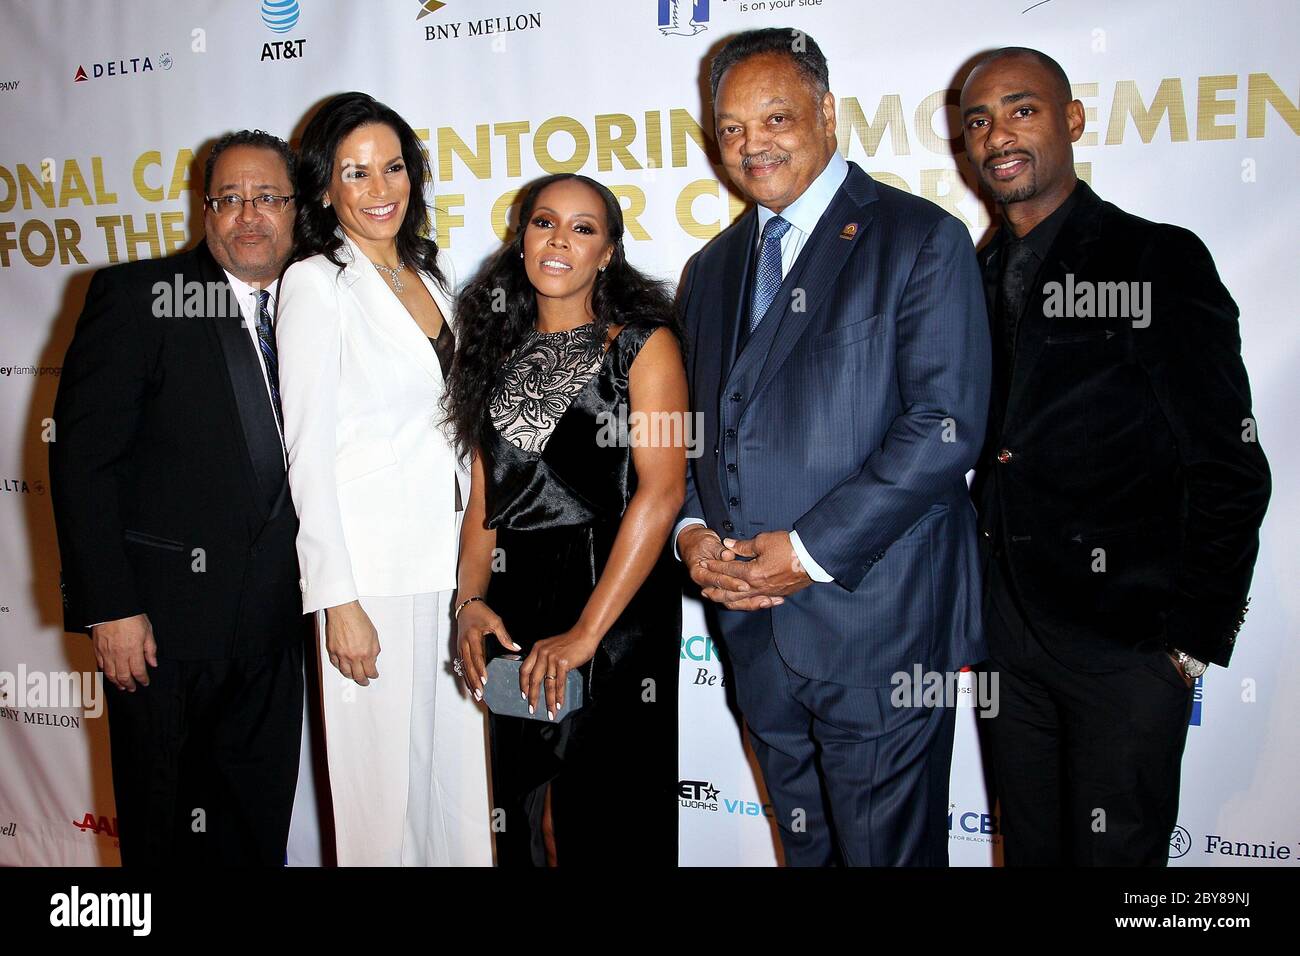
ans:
x=839 y=355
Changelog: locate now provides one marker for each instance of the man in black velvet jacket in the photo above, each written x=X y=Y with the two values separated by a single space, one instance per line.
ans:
x=1120 y=490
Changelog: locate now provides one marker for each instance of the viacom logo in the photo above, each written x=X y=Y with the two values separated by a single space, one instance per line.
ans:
x=683 y=18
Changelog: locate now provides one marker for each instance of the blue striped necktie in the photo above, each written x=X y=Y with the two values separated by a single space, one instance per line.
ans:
x=266 y=342
x=768 y=279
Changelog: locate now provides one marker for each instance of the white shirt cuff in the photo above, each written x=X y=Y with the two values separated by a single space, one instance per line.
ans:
x=815 y=570
x=684 y=523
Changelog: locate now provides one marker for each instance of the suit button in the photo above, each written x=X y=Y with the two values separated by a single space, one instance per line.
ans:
x=735 y=396
x=728 y=526
x=731 y=467
x=731 y=433
x=733 y=501
x=1005 y=456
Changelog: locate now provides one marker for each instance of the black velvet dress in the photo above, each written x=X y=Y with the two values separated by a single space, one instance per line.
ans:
x=556 y=504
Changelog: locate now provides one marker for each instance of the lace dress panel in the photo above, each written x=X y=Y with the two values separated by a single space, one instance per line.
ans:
x=540 y=378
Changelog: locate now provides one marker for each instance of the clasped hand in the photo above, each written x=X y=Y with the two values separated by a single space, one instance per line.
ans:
x=772 y=571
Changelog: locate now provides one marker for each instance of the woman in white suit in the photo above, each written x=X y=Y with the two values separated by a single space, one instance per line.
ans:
x=365 y=344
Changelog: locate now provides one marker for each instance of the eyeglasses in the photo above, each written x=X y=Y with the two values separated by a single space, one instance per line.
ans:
x=233 y=205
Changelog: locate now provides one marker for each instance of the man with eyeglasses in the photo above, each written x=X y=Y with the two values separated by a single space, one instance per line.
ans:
x=175 y=528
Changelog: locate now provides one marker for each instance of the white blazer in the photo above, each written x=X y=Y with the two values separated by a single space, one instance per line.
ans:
x=370 y=467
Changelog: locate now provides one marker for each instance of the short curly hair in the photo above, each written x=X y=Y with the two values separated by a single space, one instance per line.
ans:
x=251 y=137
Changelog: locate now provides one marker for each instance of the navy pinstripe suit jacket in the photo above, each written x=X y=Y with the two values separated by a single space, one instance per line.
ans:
x=851 y=415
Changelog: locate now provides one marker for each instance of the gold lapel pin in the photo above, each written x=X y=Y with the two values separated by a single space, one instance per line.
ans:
x=849 y=231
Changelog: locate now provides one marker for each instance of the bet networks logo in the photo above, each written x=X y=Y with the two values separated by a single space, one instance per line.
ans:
x=697 y=795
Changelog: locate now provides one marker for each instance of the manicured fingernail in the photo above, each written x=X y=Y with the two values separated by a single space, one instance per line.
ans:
x=549 y=715
x=729 y=542
x=530 y=708
x=478 y=695
x=482 y=679
x=522 y=695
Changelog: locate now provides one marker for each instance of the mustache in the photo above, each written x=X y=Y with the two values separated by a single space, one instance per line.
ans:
x=764 y=159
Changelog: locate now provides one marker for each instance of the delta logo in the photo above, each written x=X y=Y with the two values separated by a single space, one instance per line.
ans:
x=122 y=67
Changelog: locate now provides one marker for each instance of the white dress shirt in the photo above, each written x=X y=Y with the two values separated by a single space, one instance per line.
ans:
x=803 y=215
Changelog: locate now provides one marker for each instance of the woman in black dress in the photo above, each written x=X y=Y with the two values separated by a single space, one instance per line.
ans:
x=567 y=380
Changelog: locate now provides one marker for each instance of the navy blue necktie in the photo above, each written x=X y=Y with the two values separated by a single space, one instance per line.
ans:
x=266 y=342
x=768 y=278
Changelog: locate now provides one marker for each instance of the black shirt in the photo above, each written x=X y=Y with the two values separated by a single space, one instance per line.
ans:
x=1018 y=267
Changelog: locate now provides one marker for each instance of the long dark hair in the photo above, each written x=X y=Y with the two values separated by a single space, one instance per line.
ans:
x=499 y=307
x=314 y=229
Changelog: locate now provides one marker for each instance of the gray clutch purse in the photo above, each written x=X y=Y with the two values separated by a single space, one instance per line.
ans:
x=503 y=697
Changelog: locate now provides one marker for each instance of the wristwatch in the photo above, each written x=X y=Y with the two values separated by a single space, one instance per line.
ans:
x=1190 y=665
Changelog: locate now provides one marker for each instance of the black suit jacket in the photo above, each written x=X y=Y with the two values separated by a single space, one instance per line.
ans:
x=1121 y=487
x=166 y=473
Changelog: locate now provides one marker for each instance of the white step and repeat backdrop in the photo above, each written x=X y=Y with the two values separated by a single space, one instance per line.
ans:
x=1193 y=118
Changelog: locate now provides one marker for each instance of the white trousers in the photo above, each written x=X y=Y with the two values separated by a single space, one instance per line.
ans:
x=407 y=754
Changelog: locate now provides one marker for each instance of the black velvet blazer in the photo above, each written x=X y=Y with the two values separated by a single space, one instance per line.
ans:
x=1122 y=481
